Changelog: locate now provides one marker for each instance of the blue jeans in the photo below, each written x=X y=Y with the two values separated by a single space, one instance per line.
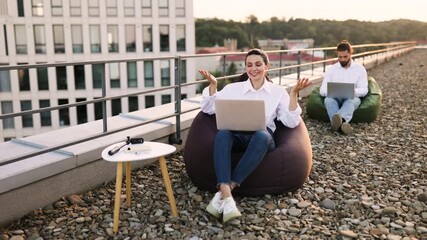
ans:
x=255 y=145
x=344 y=107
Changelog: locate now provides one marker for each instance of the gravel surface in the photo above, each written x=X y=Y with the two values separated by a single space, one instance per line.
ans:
x=369 y=185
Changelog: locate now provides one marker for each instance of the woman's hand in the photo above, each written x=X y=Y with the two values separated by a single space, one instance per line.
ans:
x=301 y=84
x=212 y=81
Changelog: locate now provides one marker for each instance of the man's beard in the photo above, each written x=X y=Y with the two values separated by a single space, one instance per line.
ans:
x=344 y=64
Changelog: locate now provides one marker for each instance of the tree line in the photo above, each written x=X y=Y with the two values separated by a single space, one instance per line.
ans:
x=325 y=33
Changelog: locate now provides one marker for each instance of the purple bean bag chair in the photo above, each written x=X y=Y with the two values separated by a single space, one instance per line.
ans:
x=284 y=169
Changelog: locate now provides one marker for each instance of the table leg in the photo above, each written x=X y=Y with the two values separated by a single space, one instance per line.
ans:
x=119 y=176
x=128 y=180
x=168 y=186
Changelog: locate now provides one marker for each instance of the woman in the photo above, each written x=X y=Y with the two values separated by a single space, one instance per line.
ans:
x=256 y=144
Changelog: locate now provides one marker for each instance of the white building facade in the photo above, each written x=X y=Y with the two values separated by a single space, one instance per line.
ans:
x=63 y=31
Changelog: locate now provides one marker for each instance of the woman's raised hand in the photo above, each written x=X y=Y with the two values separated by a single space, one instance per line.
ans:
x=211 y=78
x=301 y=84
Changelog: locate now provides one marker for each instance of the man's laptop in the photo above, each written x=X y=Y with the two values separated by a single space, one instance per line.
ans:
x=340 y=90
x=240 y=115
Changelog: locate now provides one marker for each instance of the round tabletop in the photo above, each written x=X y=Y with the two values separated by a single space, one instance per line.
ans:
x=149 y=150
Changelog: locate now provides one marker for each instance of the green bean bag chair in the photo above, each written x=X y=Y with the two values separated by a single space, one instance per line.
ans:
x=367 y=111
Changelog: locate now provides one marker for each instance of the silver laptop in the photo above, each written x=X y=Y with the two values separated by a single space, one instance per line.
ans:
x=240 y=115
x=340 y=90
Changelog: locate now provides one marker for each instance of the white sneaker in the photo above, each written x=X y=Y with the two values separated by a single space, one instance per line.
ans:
x=215 y=205
x=229 y=210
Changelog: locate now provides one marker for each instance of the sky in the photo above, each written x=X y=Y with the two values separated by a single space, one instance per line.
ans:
x=340 y=10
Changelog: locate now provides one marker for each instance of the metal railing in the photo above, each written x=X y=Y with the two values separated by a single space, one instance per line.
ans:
x=364 y=50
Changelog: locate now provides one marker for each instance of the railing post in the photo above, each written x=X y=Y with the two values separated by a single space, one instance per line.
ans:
x=312 y=64
x=324 y=59
x=104 y=103
x=177 y=138
x=299 y=62
x=280 y=65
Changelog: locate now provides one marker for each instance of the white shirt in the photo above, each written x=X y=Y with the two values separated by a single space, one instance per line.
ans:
x=356 y=74
x=275 y=97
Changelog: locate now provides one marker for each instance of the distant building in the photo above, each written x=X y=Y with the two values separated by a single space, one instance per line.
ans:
x=214 y=63
x=285 y=44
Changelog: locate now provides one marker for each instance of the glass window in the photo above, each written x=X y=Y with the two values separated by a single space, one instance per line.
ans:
x=79 y=76
x=147 y=38
x=146 y=8
x=129 y=8
x=165 y=73
x=6 y=45
x=95 y=40
x=93 y=8
x=45 y=117
x=24 y=79
x=149 y=101
x=61 y=78
x=180 y=8
x=183 y=96
x=132 y=76
x=42 y=78
x=114 y=75
x=148 y=74
x=113 y=38
x=20 y=39
x=98 y=110
x=27 y=119
x=58 y=38
x=133 y=103
x=130 y=38
x=111 y=7
x=7 y=107
x=5 y=80
x=81 y=111
x=183 y=71
x=64 y=113
x=163 y=8
x=164 y=38
x=37 y=6
x=39 y=39
x=180 y=38
x=20 y=5
x=56 y=7
x=98 y=75
x=116 y=107
x=166 y=99
x=75 y=8
x=77 y=38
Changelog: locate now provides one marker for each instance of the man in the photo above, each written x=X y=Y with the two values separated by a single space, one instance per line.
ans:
x=340 y=111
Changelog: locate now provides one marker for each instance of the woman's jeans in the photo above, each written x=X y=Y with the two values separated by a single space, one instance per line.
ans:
x=344 y=107
x=255 y=144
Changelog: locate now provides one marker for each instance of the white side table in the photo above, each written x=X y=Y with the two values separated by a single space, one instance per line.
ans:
x=156 y=150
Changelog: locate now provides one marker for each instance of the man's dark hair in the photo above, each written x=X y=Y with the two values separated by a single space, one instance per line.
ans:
x=343 y=46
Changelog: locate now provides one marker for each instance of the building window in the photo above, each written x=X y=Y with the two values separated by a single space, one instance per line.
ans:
x=166 y=99
x=111 y=7
x=98 y=110
x=146 y=8
x=45 y=117
x=64 y=113
x=95 y=39
x=114 y=75
x=129 y=8
x=133 y=103
x=42 y=79
x=61 y=78
x=132 y=76
x=77 y=38
x=148 y=74
x=75 y=8
x=79 y=76
x=130 y=38
x=7 y=107
x=24 y=79
x=180 y=38
x=20 y=5
x=39 y=39
x=163 y=8
x=180 y=8
x=183 y=71
x=149 y=101
x=20 y=39
x=93 y=6
x=116 y=107
x=147 y=38
x=58 y=38
x=164 y=38
x=5 y=80
x=27 y=119
x=56 y=8
x=37 y=6
x=183 y=96
x=113 y=38
x=81 y=111
x=98 y=75
x=6 y=48
x=165 y=73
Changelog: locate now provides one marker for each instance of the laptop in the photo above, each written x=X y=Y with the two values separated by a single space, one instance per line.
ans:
x=240 y=115
x=340 y=90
